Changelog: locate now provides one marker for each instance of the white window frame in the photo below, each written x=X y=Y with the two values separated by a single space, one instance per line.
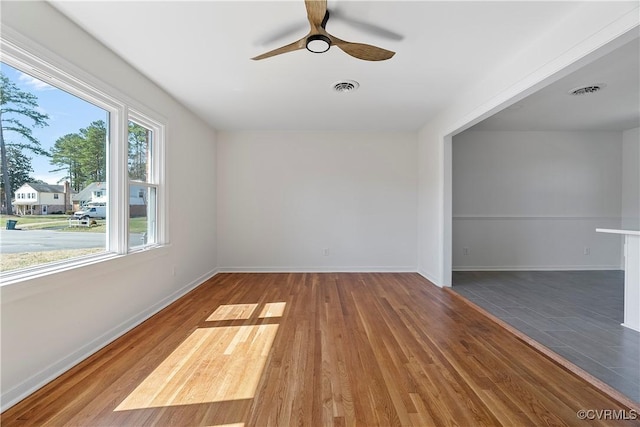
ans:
x=23 y=54
x=155 y=178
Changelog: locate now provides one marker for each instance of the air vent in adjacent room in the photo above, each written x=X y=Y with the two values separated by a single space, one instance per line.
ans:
x=587 y=90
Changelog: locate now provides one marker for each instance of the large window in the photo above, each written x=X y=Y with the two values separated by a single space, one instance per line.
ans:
x=81 y=169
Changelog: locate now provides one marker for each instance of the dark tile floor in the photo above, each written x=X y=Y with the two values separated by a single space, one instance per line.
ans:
x=577 y=314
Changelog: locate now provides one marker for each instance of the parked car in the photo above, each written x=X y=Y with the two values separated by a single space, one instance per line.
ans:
x=91 y=211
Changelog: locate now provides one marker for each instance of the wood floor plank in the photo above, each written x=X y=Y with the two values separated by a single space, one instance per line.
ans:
x=310 y=349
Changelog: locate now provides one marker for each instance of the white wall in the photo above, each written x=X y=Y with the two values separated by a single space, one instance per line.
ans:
x=51 y=322
x=595 y=29
x=631 y=179
x=284 y=197
x=532 y=200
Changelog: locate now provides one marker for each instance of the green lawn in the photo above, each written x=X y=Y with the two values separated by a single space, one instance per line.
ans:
x=31 y=219
x=137 y=225
x=59 y=223
x=10 y=262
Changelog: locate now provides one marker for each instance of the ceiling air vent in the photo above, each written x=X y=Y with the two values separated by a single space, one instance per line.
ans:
x=587 y=90
x=346 y=86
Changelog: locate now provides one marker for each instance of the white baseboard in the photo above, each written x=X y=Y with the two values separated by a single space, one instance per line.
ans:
x=430 y=278
x=397 y=269
x=538 y=268
x=630 y=327
x=25 y=388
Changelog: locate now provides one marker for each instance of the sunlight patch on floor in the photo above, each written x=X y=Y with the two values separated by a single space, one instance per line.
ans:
x=211 y=365
x=232 y=312
x=273 y=309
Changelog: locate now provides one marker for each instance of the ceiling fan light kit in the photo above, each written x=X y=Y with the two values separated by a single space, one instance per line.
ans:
x=318 y=40
x=318 y=43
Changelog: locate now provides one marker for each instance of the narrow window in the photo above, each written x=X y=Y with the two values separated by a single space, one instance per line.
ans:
x=143 y=185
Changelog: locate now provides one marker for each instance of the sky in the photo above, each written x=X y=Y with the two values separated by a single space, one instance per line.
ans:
x=67 y=114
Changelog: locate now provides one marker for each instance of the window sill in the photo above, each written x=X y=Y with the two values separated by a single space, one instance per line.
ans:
x=43 y=279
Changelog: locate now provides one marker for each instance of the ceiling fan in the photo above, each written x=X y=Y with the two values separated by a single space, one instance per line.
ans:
x=318 y=40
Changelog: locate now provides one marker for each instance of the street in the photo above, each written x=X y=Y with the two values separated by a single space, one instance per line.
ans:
x=20 y=241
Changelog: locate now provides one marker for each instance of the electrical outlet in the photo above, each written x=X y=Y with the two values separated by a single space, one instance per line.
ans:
x=465 y=251
x=325 y=252
x=587 y=251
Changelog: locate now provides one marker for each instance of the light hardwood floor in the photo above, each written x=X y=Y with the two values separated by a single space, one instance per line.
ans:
x=316 y=349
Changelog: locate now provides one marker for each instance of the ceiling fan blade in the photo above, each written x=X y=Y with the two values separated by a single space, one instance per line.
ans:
x=337 y=14
x=300 y=44
x=318 y=15
x=286 y=32
x=363 y=51
x=316 y=12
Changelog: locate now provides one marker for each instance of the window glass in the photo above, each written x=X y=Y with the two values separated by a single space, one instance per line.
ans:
x=140 y=139
x=142 y=187
x=62 y=149
x=55 y=152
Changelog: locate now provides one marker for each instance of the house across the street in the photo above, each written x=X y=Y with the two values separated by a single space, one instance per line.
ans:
x=42 y=199
x=96 y=192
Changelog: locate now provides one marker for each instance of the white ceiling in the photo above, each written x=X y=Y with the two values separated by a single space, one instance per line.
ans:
x=615 y=107
x=199 y=52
